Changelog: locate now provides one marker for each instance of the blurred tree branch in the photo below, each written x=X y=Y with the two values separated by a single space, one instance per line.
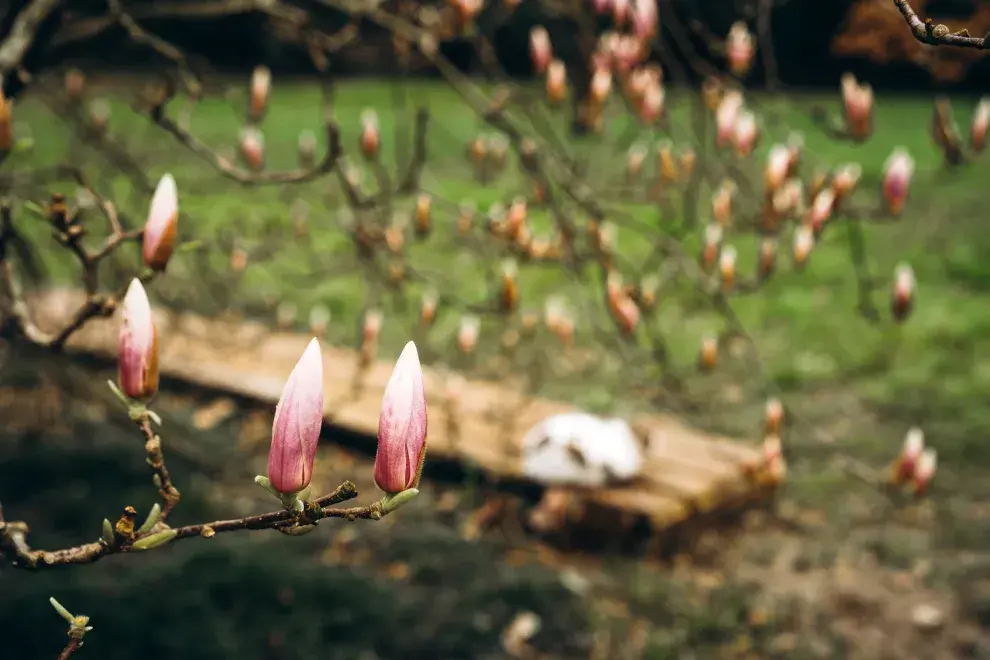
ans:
x=928 y=32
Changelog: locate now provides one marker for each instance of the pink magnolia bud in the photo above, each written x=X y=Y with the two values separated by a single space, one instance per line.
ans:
x=821 y=210
x=137 y=346
x=722 y=202
x=540 y=50
x=556 y=81
x=601 y=6
x=601 y=84
x=981 y=122
x=727 y=267
x=627 y=51
x=778 y=162
x=907 y=461
x=898 y=171
x=467 y=334
x=253 y=148
x=902 y=296
x=298 y=420
x=645 y=19
x=725 y=117
x=402 y=426
x=652 y=106
x=746 y=133
x=857 y=102
x=261 y=82
x=620 y=11
x=924 y=471
x=370 y=135
x=635 y=158
x=845 y=179
x=162 y=224
x=773 y=417
x=804 y=242
x=739 y=49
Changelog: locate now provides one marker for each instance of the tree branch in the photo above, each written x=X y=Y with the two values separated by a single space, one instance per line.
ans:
x=929 y=33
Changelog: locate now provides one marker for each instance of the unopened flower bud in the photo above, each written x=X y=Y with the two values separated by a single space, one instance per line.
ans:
x=712 y=247
x=601 y=85
x=980 y=125
x=137 y=346
x=778 y=163
x=253 y=148
x=821 y=210
x=857 y=103
x=746 y=133
x=773 y=417
x=428 y=308
x=739 y=49
x=478 y=149
x=907 y=460
x=708 y=355
x=515 y=217
x=467 y=334
x=688 y=159
x=509 y=293
x=540 y=51
x=402 y=426
x=722 y=202
x=238 y=259
x=902 y=296
x=727 y=267
x=371 y=327
x=845 y=180
x=556 y=82
x=635 y=159
x=651 y=107
x=370 y=135
x=297 y=424
x=261 y=82
x=712 y=91
x=162 y=225
x=804 y=242
x=665 y=159
x=621 y=10
x=768 y=257
x=725 y=117
x=423 y=214
x=898 y=171
x=924 y=471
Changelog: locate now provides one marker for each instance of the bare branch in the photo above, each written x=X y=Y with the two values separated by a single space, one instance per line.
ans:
x=929 y=33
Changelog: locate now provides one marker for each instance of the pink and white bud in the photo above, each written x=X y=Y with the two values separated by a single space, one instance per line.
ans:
x=298 y=420
x=981 y=122
x=402 y=426
x=99 y=115
x=137 y=346
x=467 y=334
x=371 y=328
x=601 y=6
x=628 y=51
x=540 y=49
x=261 y=83
x=621 y=10
x=739 y=49
x=370 y=134
x=556 y=81
x=652 y=105
x=907 y=461
x=635 y=158
x=253 y=148
x=845 y=179
x=601 y=84
x=857 y=103
x=821 y=210
x=778 y=164
x=902 y=295
x=804 y=243
x=897 y=174
x=924 y=471
x=722 y=202
x=645 y=19
x=773 y=417
x=162 y=225
x=712 y=247
x=727 y=267
x=725 y=117
x=746 y=133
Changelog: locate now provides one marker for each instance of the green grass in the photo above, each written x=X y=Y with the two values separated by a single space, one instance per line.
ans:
x=851 y=387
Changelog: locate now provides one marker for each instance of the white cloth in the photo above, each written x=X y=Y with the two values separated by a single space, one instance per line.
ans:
x=581 y=449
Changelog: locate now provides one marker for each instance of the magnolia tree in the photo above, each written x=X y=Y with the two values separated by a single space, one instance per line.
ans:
x=619 y=74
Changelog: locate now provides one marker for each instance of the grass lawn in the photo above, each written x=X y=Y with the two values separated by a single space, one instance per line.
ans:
x=852 y=387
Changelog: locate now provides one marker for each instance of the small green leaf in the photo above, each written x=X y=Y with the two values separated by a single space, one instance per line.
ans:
x=149 y=522
x=64 y=613
x=155 y=540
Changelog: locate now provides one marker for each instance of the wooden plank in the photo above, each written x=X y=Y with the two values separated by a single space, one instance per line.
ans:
x=686 y=470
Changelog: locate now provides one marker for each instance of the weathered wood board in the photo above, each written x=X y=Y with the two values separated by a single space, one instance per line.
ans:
x=687 y=471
